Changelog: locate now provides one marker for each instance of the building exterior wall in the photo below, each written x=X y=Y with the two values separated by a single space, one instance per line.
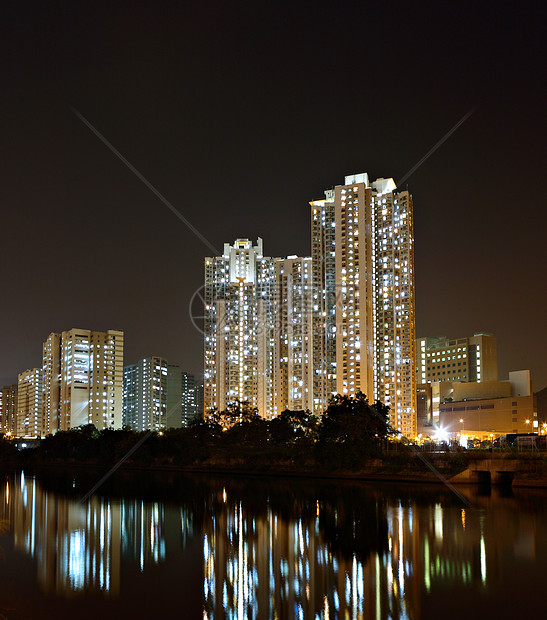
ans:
x=129 y=402
x=83 y=379
x=482 y=390
x=323 y=256
x=293 y=355
x=521 y=383
x=483 y=358
x=145 y=394
x=74 y=385
x=483 y=407
x=29 y=403
x=354 y=279
x=106 y=379
x=188 y=399
x=393 y=304
x=470 y=359
x=8 y=408
x=51 y=377
x=175 y=389
x=181 y=405
x=199 y=400
x=496 y=416
x=239 y=328
x=364 y=273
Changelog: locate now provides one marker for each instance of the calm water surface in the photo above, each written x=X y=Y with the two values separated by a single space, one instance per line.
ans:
x=177 y=546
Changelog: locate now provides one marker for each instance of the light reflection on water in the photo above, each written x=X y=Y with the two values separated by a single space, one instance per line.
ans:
x=266 y=550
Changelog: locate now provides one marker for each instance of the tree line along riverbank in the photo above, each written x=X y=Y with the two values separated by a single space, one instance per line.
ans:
x=352 y=439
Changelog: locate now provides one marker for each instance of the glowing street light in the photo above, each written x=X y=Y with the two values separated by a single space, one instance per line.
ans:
x=441 y=435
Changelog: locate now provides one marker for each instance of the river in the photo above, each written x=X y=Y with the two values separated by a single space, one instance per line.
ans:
x=168 y=545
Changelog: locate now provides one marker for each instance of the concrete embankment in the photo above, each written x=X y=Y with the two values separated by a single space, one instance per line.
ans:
x=459 y=468
x=517 y=472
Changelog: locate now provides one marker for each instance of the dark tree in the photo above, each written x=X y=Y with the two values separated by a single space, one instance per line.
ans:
x=291 y=427
x=352 y=430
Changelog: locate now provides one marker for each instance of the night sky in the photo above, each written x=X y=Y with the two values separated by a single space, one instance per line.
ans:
x=240 y=113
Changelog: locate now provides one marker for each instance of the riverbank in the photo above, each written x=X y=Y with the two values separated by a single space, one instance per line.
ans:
x=515 y=469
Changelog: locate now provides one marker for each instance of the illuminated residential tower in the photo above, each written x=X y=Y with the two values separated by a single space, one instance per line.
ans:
x=293 y=369
x=365 y=296
x=157 y=395
x=324 y=300
x=239 y=321
x=8 y=409
x=145 y=394
x=51 y=383
x=29 y=403
x=83 y=379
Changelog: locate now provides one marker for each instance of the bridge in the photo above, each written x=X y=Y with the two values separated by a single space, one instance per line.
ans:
x=488 y=471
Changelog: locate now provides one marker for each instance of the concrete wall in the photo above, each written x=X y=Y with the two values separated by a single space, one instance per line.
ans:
x=484 y=389
x=498 y=416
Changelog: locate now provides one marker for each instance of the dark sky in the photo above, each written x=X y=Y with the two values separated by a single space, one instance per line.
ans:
x=240 y=113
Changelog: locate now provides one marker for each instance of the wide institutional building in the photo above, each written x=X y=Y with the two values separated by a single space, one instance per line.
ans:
x=289 y=333
x=459 y=395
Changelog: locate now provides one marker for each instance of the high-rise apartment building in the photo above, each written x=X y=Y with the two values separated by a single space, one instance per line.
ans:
x=29 y=403
x=145 y=394
x=199 y=400
x=8 y=408
x=130 y=396
x=51 y=383
x=157 y=395
x=175 y=379
x=239 y=324
x=293 y=333
x=324 y=299
x=83 y=379
x=188 y=398
x=258 y=330
x=106 y=379
x=181 y=397
x=365 y=295
x=469 y=359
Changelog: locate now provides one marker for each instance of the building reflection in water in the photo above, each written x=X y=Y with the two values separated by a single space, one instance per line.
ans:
x=271 y=565
x=79 y=546
x=306 y=552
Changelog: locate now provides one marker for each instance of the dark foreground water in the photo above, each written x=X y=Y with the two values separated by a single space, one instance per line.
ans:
x=177 y=546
